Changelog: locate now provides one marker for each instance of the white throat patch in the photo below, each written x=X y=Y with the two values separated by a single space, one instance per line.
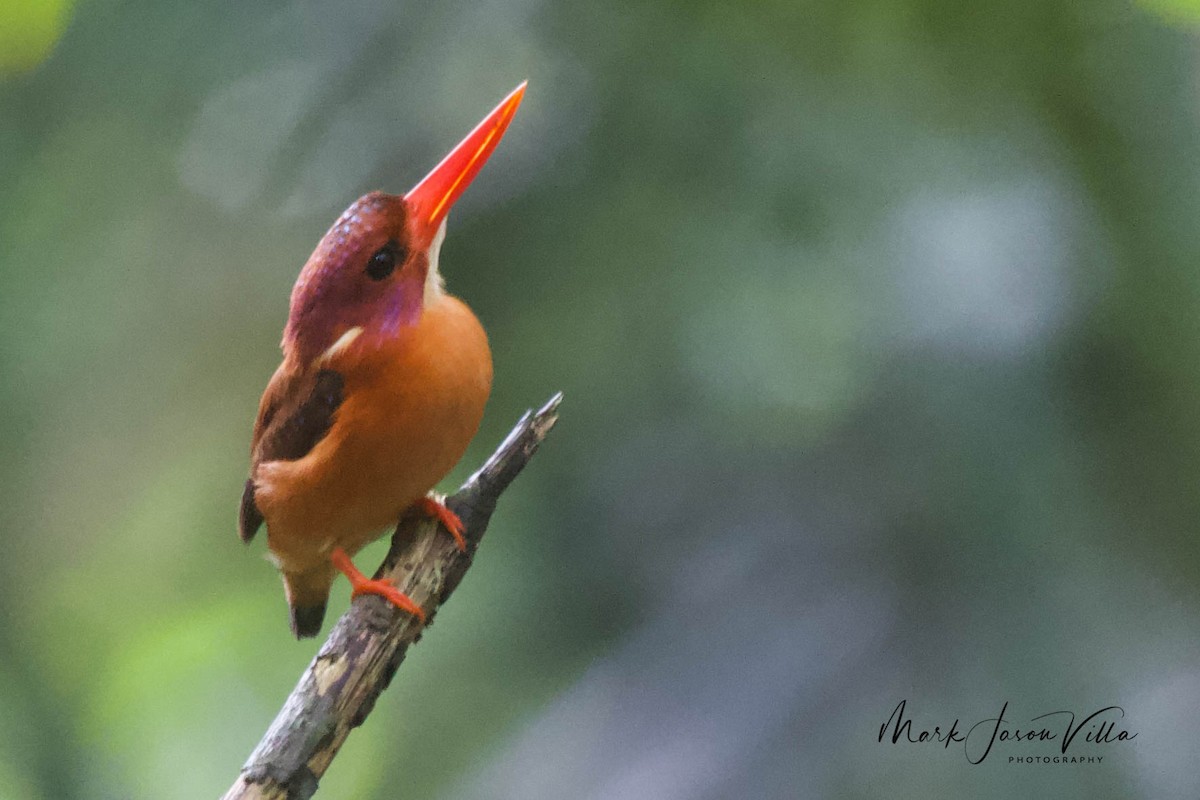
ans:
x=435 y=285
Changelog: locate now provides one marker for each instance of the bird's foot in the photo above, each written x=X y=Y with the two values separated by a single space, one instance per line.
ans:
x=432 y=508
x=361 y=584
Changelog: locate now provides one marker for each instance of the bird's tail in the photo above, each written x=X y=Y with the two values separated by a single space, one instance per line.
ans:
x=307 y=594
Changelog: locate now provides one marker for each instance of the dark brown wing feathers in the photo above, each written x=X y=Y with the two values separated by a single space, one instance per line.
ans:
x=295 y=414
x=249 y=517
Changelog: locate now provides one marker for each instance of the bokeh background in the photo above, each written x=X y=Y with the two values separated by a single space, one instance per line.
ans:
x=877 y=323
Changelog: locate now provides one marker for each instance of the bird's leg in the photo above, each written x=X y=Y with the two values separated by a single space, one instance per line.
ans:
x=432 y=508
x=361 y=584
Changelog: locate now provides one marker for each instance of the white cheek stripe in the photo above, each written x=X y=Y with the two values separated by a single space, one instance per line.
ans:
x=341 y=344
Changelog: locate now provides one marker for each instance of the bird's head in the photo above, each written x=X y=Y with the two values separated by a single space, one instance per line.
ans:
x=377 y=267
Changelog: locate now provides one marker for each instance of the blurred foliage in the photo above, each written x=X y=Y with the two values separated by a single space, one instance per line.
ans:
x=28 y=31
x=876 y=322
x=1175 y=10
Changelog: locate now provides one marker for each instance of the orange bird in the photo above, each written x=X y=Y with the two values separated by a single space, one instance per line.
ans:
x=382 y=386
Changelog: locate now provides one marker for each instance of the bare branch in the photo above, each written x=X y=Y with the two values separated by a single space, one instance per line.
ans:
x=366 y=646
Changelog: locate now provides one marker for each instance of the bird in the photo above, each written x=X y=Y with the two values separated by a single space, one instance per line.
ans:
x=382 y=386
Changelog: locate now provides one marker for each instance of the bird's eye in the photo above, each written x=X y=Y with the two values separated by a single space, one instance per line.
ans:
x=384 y=262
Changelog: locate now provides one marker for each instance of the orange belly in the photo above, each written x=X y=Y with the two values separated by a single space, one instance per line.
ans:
x=411 y=406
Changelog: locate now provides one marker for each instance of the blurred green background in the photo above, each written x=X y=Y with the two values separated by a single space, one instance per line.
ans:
x=877 y=324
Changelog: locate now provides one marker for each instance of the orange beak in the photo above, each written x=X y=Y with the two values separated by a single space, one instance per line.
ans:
x=430 y=200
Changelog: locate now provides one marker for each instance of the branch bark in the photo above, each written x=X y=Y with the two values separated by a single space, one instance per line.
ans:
x=366 y=646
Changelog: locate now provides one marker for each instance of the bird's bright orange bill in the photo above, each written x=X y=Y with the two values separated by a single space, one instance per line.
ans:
x=432 y=198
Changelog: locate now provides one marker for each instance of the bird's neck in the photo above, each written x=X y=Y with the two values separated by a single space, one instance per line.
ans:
x=354 y=346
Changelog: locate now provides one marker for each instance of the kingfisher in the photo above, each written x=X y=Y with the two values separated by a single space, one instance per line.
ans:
x=382 y=386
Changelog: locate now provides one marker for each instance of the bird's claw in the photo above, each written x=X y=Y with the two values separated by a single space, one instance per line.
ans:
x=361 y=584
x=388 y=591
x=449 y=520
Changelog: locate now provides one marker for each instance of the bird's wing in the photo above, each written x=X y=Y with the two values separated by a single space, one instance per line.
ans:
x=295 y=413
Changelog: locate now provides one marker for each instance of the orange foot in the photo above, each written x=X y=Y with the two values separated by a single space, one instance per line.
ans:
x=361 y=584
x=432 y=508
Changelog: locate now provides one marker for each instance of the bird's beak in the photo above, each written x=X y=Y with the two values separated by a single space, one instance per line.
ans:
x=430 y=200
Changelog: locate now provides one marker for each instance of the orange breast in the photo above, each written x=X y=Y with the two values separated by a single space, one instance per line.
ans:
x=411 y=406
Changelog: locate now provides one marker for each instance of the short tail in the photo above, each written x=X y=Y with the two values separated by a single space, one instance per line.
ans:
x=307 y=595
